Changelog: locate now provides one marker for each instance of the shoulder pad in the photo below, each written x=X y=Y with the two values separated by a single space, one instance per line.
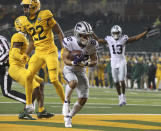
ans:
x=45 y=14
x=67 y=42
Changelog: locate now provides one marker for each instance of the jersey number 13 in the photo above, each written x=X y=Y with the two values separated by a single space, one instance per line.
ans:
x=117 y=49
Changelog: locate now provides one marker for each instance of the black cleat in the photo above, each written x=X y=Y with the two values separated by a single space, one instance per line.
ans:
x=25 y=115
x=44 y=114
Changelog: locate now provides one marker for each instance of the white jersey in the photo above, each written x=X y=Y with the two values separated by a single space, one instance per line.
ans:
x=117 y=50
x=70 y=43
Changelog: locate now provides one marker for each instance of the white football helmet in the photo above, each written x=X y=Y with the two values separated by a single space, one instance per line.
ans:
x=116 y=32
x=83 y=29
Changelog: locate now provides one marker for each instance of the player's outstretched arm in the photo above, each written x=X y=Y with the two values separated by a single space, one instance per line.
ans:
x=100 y=40
x=137 y=37
x=60 y=33
x=30 y=46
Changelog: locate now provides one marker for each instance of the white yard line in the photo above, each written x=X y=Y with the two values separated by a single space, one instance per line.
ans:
x=87 y=104
x=94 y=114
x=88 y=107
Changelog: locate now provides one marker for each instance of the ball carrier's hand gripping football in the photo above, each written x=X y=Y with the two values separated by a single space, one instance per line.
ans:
x=78 y=59
x=76 y=56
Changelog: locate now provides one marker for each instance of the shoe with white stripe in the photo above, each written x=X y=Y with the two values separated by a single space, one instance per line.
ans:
x=66 y=109
x=68 y=121
x=123 y=99
x=120 y=101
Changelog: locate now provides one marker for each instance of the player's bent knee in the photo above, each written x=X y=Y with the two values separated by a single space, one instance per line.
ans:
x=29 y=76
x=73 y=84
x=55 y=83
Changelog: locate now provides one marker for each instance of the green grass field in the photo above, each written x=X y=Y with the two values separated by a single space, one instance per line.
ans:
x=101 y=112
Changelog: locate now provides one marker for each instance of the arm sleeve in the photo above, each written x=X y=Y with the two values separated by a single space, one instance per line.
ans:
x=50 y=19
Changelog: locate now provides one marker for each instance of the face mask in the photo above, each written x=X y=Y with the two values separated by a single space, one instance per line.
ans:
x=116 y=37
x=85 y=41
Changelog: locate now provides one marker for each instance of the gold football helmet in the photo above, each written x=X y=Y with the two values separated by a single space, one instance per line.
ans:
x=20 y=23
x=33 y=5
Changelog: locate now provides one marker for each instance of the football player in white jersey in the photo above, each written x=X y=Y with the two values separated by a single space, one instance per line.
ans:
x=75 y=70
x=116 y=43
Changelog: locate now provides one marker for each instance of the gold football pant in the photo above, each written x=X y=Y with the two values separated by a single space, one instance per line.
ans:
x=19 y=74
x=51 y=60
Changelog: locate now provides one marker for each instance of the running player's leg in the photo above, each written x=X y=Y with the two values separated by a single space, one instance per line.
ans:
x=35 y=64
x=52 y=65
x=83 y=93
x=39 y=92
x=6 y=83
x=115 y=73
x=122 y=76
x=72 y=81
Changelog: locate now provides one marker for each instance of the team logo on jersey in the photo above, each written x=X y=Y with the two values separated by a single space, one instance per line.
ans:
x=39 y=19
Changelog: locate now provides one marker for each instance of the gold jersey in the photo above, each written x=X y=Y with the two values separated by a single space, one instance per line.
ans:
x=40 y=28
x=158 y=71
x=18 y=37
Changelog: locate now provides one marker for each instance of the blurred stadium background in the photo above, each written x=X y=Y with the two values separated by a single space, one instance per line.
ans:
x=144 y=57
x=132 y=15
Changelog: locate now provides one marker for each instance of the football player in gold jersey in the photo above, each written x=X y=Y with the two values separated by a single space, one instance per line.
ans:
x=39 y=27
x=17 y=70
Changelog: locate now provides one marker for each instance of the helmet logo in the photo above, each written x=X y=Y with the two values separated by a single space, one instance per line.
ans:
x=39 y=19
x=78 y=26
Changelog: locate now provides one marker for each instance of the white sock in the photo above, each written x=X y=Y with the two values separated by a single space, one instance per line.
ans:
x=29 y=106
x=120 y=97
x=123 y=95
x=68 y=92
x=76 y=108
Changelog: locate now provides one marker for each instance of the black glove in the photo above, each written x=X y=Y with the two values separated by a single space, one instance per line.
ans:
x=148 y=28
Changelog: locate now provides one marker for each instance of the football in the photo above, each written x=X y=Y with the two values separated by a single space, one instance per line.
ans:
x=75 y=53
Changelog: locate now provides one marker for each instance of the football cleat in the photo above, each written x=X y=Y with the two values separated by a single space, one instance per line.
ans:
x=120 y=101
x=25 y=115
x=66 y=109
x=68 y=121
x=123 y=99
x=44 y=114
